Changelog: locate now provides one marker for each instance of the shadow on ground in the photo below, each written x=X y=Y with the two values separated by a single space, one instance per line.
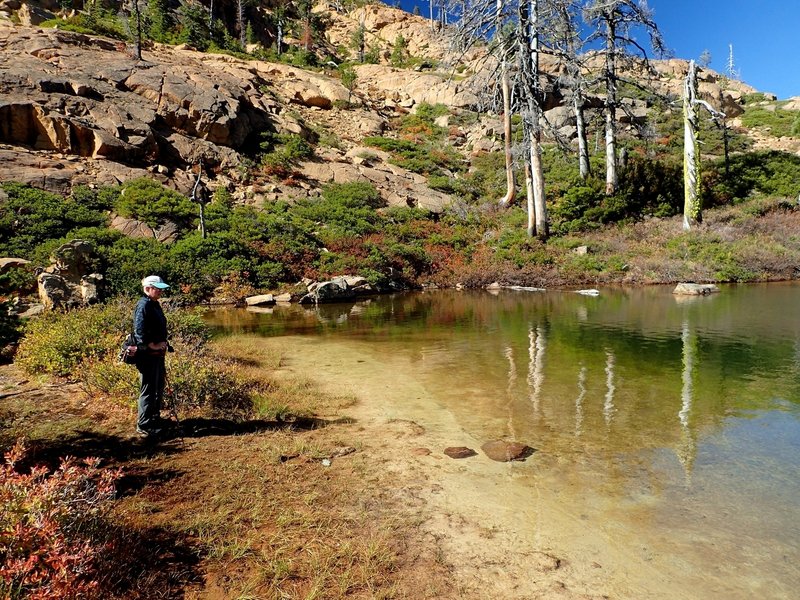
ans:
x=144 y=563
x=117 y=449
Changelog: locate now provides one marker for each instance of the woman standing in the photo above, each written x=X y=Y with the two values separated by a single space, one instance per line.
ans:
x=150 y=331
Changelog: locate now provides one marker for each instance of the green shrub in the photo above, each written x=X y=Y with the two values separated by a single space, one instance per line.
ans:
x=647 y=187
x=10 y=327
x=780 y=122
x=199 y=264
x=419 y=157
x=61 y=343
x=58 y=342
x=770 y=173
x=346 y=208
x=194 y=26
x=100 y=22
x=568 y=212
x=279 y=152
x=373 y=55
x=30 y=216
x=399 y=52
x=721 y=257
x=148 y=201
x=514 y=245
x=159 y=21
x=18 y=281
x=203 y=381
x=128 y=260
x=353 y=195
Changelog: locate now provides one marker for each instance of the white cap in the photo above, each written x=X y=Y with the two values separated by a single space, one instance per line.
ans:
x=154 y=281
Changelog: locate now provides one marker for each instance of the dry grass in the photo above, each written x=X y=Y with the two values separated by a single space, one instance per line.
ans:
x=258 y=515
x=754 y=241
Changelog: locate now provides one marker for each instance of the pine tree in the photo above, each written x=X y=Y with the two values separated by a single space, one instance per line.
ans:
x=159 y=19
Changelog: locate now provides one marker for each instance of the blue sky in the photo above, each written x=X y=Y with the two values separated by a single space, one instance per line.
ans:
x=765 y=35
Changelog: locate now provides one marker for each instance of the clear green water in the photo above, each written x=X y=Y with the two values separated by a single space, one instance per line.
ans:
x=672 y=424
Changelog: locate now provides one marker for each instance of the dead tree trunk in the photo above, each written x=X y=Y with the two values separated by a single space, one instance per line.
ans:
x=612 y=180
x=583 y=146
x=531 y=204
x=692 y=204
x=240 y=20
x=137 y=42
x=511 y=192
x=530 y=23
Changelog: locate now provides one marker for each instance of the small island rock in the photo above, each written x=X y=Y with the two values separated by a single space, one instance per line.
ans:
x=695 y=289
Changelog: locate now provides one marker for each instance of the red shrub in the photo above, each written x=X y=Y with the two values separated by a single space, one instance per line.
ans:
x=46 y=526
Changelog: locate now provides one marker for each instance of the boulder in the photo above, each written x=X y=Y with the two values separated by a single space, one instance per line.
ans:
x=408 y=88
x=303 y=87
x=259 y=300
x=69 y=280
x=54 y=290
x=166 y=233
x=695 y=289
x=12 y=263
x=328 y=291
x=32 y=310
x=90 y=288
x=338 y=289
x=30 y=15
x=503 y=451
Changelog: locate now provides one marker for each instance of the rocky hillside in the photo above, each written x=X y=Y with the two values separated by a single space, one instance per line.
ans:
x=78 y=109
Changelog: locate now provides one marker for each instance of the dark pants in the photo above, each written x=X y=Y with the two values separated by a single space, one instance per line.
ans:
x=152 y=374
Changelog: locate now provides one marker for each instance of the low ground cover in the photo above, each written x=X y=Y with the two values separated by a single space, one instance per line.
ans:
x=267 y=495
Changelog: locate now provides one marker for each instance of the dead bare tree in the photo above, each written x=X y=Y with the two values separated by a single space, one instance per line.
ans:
x=533 y=98
x=614 y=23
x=487 y=20
x=505 y=85
x=198 y=195
x=692 y=200
x=137 y=33
x=567 y=43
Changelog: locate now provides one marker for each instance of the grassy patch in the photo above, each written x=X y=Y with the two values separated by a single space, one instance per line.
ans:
x=778 y=121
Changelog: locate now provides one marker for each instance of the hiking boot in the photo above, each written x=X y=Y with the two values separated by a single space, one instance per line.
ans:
x=147 y=432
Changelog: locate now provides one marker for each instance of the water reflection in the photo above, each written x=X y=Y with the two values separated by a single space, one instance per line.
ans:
x=686 y=447
x=536 y=349
x=680 y=416
x=608 y=405
x=579 y=401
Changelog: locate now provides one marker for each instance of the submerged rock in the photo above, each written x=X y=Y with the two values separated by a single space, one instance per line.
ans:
x=503 y=451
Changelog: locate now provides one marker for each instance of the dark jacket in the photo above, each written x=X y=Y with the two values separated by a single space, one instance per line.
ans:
x=149 y=322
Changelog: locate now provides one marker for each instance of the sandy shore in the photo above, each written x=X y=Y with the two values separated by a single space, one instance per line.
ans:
x=501 y=527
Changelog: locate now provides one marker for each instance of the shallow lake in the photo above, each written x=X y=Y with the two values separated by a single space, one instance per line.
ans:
x=667 y=426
